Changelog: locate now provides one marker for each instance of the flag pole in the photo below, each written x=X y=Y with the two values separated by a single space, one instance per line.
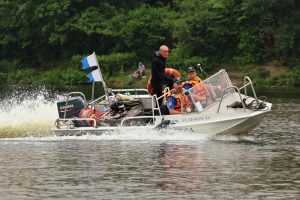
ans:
x=93 y=89
x=102 y=80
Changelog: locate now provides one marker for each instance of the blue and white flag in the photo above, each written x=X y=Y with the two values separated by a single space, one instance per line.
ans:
x=94 y=76
x=89 y=61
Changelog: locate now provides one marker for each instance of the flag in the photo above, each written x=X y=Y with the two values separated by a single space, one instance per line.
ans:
x=94 y=76
x=89 y=61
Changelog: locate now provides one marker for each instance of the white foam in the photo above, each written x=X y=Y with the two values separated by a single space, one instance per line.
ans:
x=233 y=138
x=142 y=134
x=33 y=114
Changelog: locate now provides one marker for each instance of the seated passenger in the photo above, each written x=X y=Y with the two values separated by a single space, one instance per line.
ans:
x=193 y=79
x=200 y=93
x=176 y=99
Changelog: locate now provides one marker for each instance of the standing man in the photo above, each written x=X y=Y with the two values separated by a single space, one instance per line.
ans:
x=158 y=71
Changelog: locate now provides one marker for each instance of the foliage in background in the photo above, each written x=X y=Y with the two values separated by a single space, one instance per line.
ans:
x=43 y=37
x=292 y=78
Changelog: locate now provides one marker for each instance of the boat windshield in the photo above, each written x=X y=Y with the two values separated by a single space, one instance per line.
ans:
x=210 y=90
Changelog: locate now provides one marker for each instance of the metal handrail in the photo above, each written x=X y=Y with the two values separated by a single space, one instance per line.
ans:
x=98 y=99
x=157 y=104
x=131 y=90
x=167 y=90
x=136 y=117
x=121 y=90
x=246 y=78
x=77 y=119
x=227 y=88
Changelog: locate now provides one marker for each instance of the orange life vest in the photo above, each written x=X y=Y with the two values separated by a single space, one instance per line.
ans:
x=193 y=82
x=200 y=89
x=179 y=97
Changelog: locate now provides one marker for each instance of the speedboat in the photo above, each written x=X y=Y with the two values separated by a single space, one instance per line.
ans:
x=227 y=110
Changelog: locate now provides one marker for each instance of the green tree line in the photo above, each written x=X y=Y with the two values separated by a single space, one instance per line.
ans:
x=41 y=35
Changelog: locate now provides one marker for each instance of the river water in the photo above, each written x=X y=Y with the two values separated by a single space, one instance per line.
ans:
x=146 y=165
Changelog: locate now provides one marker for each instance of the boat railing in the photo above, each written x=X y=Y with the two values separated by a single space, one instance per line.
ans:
x=56 y=124
x=67 y=101
x=247 y=82
x=99 y=100
x=136 y=117
x=247 y=79
x=135 y=91
x=228 y=88
x=104 y=101
x=156 y=105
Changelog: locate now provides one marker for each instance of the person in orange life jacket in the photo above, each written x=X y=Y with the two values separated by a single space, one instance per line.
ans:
x=176 y=99
x=193 y=79
x=158 y=71
x=200 y=93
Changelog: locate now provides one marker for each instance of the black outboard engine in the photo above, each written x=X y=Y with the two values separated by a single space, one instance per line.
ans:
x=75 y=105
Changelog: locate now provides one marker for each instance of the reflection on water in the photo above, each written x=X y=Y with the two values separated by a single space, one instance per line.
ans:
x=262 y=165
x=130 y=169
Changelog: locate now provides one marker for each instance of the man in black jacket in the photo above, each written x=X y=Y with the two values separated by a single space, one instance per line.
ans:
x=158 y=71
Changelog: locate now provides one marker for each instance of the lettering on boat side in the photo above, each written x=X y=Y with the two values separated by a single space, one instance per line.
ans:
x=203 y=118
x=184 y=129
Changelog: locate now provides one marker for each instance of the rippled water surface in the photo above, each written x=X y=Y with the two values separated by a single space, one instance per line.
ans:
x=148 y=165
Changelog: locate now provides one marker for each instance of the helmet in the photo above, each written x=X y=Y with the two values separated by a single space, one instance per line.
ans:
x=177 y=80
x=190 y=69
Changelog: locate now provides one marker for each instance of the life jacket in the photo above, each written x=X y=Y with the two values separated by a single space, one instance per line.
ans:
x=179 y=97
x=168 y=71
x=91 y=113
x=172 y=72
x=192 y=83
x=200 y=90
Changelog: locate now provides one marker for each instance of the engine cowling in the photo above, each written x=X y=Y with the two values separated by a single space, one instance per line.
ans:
x=72 y=109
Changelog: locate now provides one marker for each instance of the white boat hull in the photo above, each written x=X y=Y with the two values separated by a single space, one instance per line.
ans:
x=232 y=122
x=219 y=116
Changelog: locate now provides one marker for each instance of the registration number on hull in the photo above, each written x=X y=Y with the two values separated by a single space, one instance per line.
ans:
x=191 y=119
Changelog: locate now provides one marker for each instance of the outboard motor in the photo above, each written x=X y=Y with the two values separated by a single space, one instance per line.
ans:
x=75 y=105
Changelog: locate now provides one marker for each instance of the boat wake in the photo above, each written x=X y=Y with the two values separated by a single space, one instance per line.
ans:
x=27 y=113
x=143 y=134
